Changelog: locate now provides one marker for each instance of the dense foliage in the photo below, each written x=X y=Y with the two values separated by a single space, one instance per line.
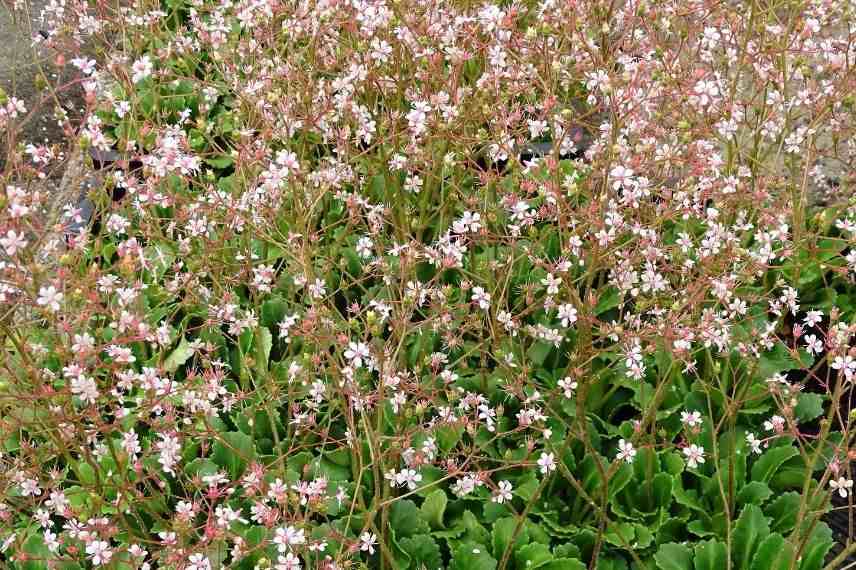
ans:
x=434 y=285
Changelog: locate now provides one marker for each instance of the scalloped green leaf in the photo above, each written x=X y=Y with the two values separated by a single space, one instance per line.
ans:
x=674 y=556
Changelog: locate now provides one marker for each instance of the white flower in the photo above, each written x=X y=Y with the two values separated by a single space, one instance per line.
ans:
x=409 y=478
x=841 y=485
x=620 y=176
x=568 y=314
x=695 y=455
x=776 y=423
x=367 y=542
x=318 y=289
x=691 y=419
x=551 y=283
x=285 y=325
x=503 y=493
x=469 y=222
x=198 y=562
x=364 y=247
x=86 y=66
x=481 y=297
x=754 y=443
x=568 y=386
x=626 y=451
x=845 y=364
x=356 y=353
x=288 y=562
x=417 y=118
x=85 y=388
x=51 y=541
x=49 y=297
x=547 y=462
x=13 y=242
x=142 y=68
x=30 y=487
x=466 y=485
x=99 y=551
x=4 y=546
x=812 y=318
x=706 y=93
x=285 y=537
x=170 y=449
x=122 y=108
x=381 y=50
x=813 y=344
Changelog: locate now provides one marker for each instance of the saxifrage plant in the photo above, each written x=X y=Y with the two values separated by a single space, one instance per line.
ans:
x=343 y=318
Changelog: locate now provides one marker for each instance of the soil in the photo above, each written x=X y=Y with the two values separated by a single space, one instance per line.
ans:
x=22 y=60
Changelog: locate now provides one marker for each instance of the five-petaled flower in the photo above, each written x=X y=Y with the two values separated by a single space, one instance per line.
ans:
x=481 y=298
x=50 y=297
x=695 y=455
x=547 y=462
x=841 y=485
x=626 y=451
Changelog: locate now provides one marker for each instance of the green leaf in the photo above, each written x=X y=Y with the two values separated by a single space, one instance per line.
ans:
x=273 y=311
x=765 y=467
x=610 y=563
x=818 y=545
x=751 y=529
x=474 y=531
x=662 y=488
x=232 y=451
x=620 y=534
x=37 y=550
x=769 y=552
x=265 y=343
x=532 y=556
x=710 y=555
x=778 y=359
x=809 y=406
x=472 y=556
x=754 y=492
x=178 y=356
x=504 y=532
x=201 y=467
x=688 y=498
x=607 y=301
x=492 y=511
x=674 y=556
x=526 y=486
x=621 y=478
x=671 y=530
x=448 y=436
x=434 y=507
x=222 y=161
x=673 y=463
x=567 y=550
x=538 y=352
x=784 y=510
x=423 y=551
x=564 y=564
x=405 y=519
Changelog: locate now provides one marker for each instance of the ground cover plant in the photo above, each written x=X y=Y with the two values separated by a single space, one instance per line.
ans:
x=441 y=284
